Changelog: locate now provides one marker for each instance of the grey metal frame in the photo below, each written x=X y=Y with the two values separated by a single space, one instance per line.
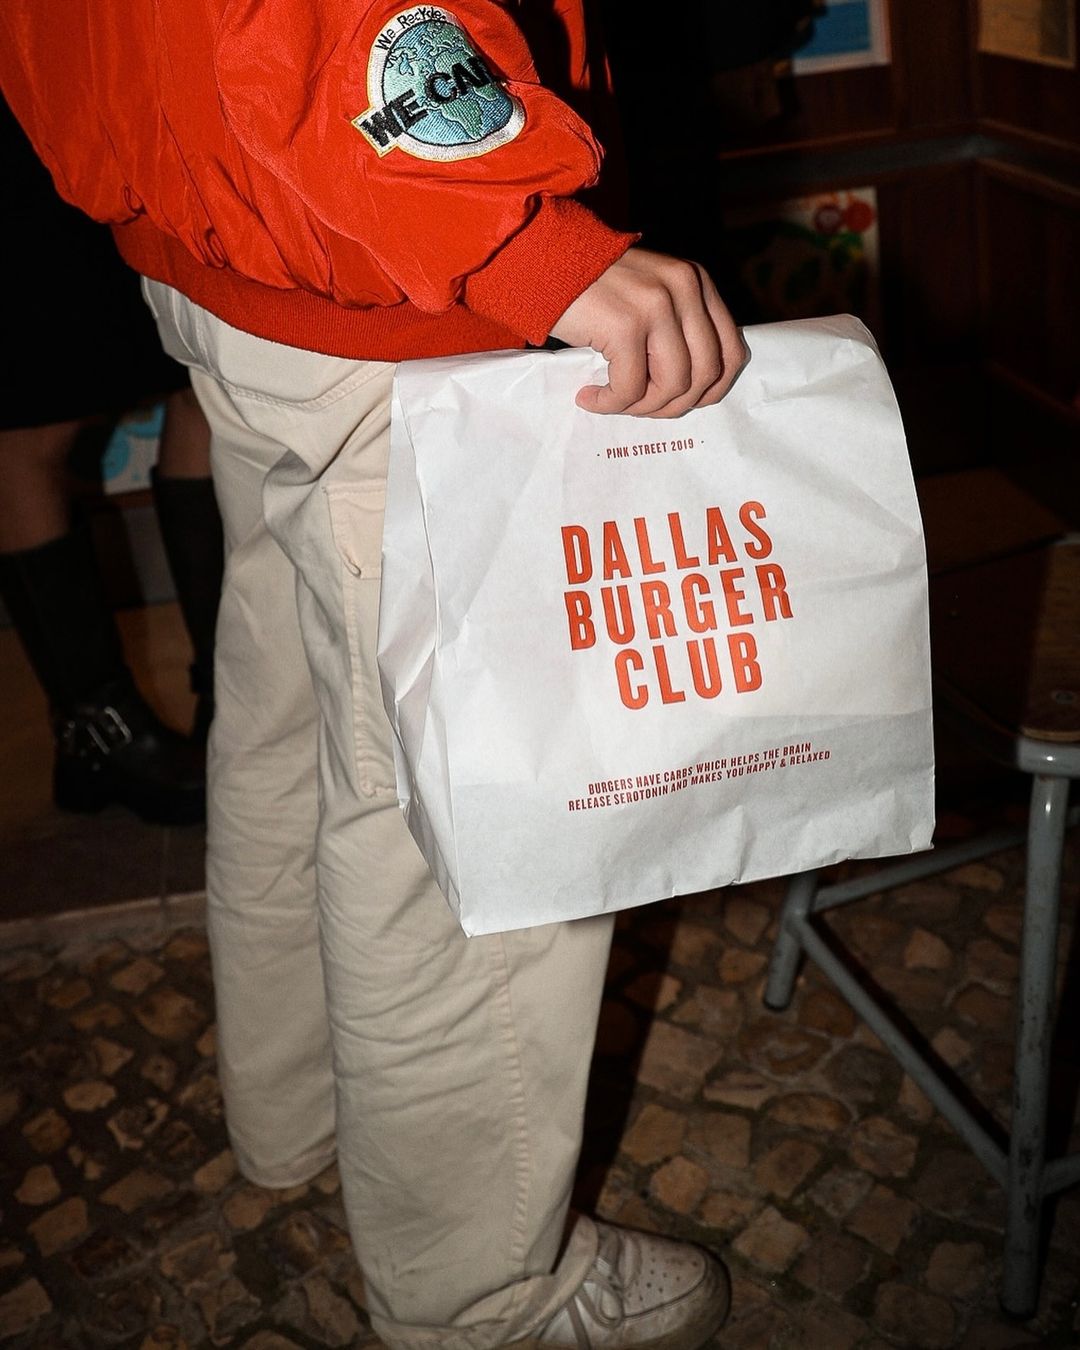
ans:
x=1022 y=1170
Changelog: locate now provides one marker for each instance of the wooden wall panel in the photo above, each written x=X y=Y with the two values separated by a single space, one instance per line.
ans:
x=1030 y=280
x=1027 y=99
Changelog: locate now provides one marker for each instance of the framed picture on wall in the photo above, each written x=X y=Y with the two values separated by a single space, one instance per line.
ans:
x=808 y=256
x=845 y=35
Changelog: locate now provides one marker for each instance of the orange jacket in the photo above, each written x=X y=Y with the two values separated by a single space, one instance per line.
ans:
x=351 y=176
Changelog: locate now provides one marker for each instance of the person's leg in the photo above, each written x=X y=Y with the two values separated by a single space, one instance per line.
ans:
x=110 y=746
x=273 y=1036
x=460 y=1064
x=190 y=526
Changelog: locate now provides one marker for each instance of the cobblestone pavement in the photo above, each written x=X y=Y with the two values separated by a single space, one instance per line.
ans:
x=850 y=1214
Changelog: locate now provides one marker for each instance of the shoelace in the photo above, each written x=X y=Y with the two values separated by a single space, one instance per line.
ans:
x=605 y=1278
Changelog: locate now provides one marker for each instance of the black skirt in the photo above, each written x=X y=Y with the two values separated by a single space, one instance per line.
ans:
x=79 y=340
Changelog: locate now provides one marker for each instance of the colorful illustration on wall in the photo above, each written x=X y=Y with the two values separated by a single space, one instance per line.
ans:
x=809 y=256
x=846 y=34
x=132 y=449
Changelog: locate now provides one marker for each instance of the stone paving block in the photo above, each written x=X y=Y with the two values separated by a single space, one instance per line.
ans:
x=47 y=1132
x=957 y=1269
x=784 y=1168
x=915 y=1318
x=656 y=1134
x=737 y=965
x=121 y=1312
x=98 y=1017
x=170 y=1015
x=228 y=1307
x=778 y=1048
x=138 y=1188
x=160 y=1070
x=982 y=1008
x=993 y=965
x=676 y=1061
x=914 y=1103
x=771 y=1242
x=686 y=944
x=954 y=1183
x=39 y=1186
x=824 y=1010
x=137 y=976
x=133 y=1125
x=883 y=1218
x=103 y=1256
x=332 y=1315
x=216 y=1174
x=881 y=1148
x=833 y=1265
x=247 y=1206
x=913 y=991
x=809 y=1111
x=111 y=1056
x=870 y=935
x=10 y=1105
x=740 y=1087
x=164 y=1336
x=198 y=1261
x=716 y=1013
x=723 y=1136
x=951 y=1047
x=746 y=919
x=22 y=1307
x=61 y=1226
x=1005 y=922
x=926 y=951
x=840 y=1190
x=861 y=1076
x=978 y=876
x=679 y=1185
x=726 y=1211
x=829 y=1326
x=91 y=1096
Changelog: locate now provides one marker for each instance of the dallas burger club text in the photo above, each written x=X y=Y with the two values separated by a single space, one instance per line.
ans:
x=644 y=586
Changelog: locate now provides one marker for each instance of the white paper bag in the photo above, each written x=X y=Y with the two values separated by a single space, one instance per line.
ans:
x=629 y=658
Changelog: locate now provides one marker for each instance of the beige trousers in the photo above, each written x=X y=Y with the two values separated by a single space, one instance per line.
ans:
x=446 y=1074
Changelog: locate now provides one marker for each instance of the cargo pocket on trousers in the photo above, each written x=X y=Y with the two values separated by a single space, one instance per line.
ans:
x=356 y=516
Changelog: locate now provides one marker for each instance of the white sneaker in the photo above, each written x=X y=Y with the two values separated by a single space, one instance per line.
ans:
x=642 y=1293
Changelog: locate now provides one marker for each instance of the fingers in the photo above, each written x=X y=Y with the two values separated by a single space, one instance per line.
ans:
x=670 y=342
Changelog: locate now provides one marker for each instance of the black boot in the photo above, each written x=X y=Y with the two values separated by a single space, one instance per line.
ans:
x=110 y=746
x=190 y=527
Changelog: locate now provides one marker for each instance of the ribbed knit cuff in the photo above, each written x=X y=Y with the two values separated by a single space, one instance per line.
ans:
x=544 y=267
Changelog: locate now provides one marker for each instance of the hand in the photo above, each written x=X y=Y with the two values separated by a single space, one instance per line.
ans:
x=670 y=343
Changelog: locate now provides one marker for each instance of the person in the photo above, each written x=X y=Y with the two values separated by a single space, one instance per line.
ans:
x=315 y=190
x=87 y=351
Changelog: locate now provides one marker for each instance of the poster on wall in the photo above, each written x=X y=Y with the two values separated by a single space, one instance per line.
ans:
x=810 y=256
x=846 y=34
x=1029 y=30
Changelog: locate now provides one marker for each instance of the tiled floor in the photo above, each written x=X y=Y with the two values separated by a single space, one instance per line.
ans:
x=851 y=1216
x=51 y=861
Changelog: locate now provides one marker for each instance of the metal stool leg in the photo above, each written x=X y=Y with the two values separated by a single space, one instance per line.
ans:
x=1038 y=966
x=784 y=965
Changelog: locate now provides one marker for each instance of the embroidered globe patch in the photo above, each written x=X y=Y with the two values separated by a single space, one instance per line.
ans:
x=432 y=94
